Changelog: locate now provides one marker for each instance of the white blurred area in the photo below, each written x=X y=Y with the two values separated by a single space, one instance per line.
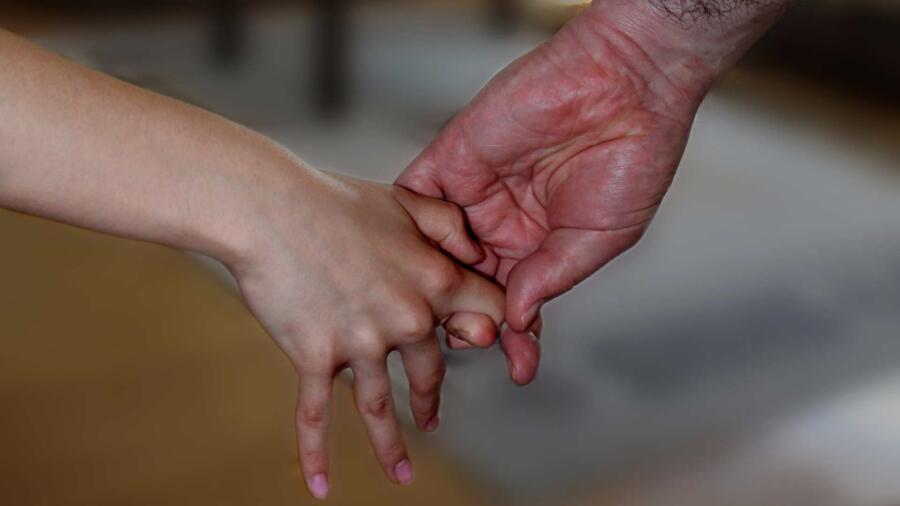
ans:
x=746 y=352
x=839 y=452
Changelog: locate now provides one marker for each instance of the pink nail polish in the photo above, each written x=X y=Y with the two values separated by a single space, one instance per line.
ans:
x=318 y=486
x=404 y=472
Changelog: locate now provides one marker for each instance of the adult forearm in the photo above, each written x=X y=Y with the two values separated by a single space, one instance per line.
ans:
x=689 y=42
x=721 y=15
x=717 y=31
x=84 y=148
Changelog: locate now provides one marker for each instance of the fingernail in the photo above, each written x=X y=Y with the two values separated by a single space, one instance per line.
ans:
x=511 y=368
x=456 y=343
x=404 y=472
x=531 y=314
x=433 y=423
x=456 y=338
x=318 y=485
x=457 y=333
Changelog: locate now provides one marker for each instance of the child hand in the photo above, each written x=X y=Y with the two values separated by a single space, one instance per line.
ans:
x=349 y=272
x=335 y=269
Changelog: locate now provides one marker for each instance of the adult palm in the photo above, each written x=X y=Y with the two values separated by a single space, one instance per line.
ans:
x=560 y=164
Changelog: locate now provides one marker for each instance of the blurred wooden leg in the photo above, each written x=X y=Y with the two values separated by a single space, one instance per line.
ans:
x=503 y=15
x=227 y=30
x=331 y=46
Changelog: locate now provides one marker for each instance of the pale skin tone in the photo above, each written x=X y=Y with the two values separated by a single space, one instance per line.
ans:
x=563 y=159
x=338 y=271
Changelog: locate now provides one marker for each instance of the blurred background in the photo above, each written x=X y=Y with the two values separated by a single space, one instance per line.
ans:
x=746 y=352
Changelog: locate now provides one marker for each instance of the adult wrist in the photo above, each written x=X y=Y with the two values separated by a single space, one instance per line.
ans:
x=687 y=45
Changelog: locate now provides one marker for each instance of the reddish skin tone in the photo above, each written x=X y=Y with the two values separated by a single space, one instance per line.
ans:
x=563 y=159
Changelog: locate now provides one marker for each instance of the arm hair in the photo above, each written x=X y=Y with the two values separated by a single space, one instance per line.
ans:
x=729 y=13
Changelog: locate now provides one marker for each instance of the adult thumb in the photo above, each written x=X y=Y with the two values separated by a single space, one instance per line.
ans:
x=421 y=177
x=565 y=258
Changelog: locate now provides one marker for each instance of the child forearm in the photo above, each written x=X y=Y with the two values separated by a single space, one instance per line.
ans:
x=84 y=148
x=340 y=272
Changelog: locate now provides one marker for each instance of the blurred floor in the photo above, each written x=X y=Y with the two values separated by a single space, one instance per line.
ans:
x=734 y=357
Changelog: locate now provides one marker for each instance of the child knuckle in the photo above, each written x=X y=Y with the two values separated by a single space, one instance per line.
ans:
x=379 y=407
x=429 y=385
x=424 y=411
x=393 y=452
x=442 y=277
x=312 y=416
x=416 y=320
x=457 y=216
x=369 y=342
x=312 y=458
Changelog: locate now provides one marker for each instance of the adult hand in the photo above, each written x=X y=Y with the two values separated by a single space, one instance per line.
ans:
x=562 y=160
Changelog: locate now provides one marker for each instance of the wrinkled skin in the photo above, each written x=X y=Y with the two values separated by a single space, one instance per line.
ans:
x=560 y=163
